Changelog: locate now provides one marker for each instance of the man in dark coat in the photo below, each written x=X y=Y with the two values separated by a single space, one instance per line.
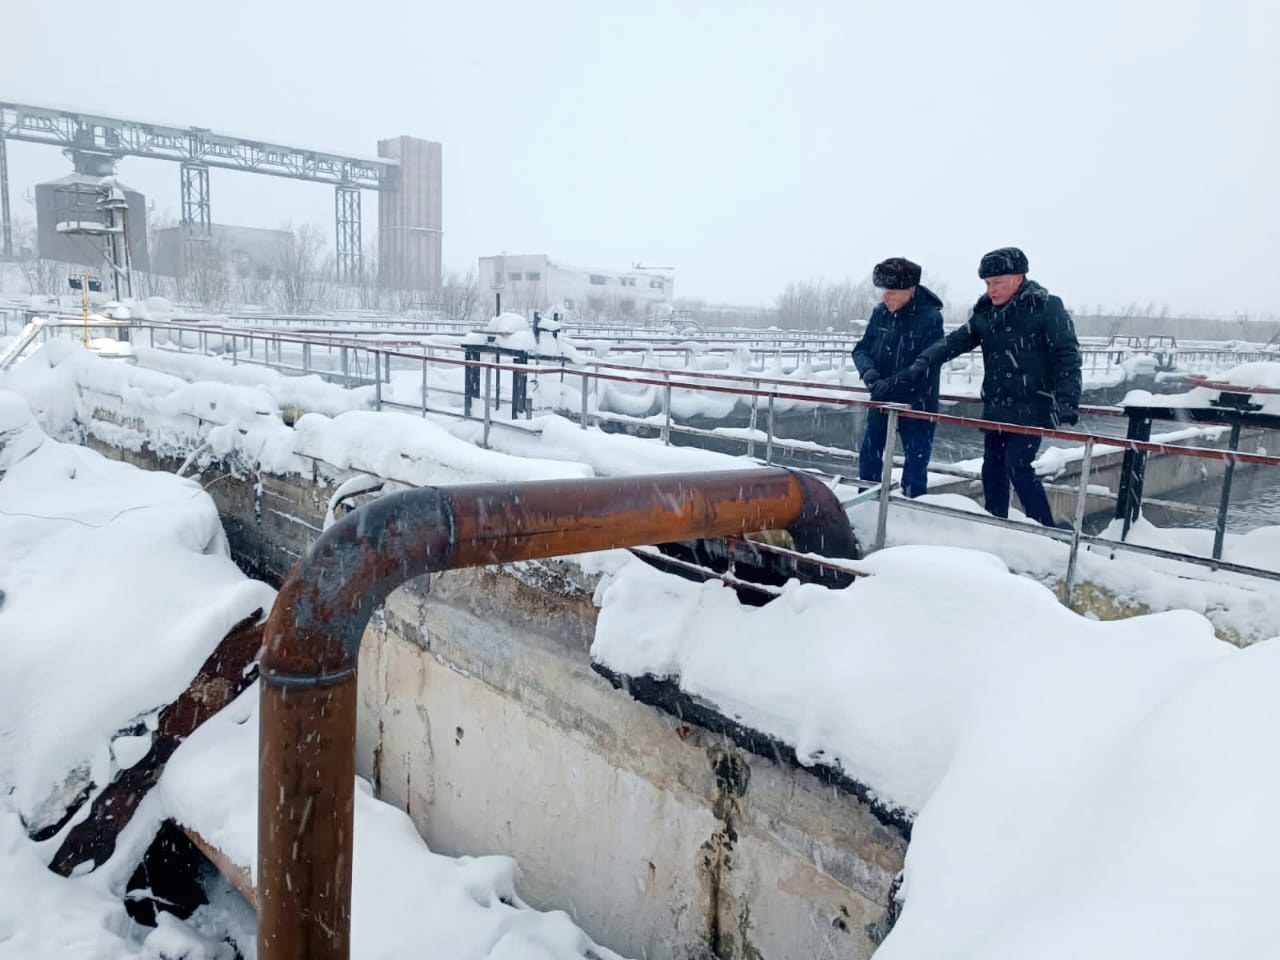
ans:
x=1031 y=361
x=907 y=321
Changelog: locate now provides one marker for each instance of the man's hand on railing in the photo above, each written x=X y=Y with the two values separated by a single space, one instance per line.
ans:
x=918 y=370
x=1066 y=414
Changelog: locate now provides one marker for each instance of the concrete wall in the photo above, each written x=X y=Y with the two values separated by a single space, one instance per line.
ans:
x=481 y=717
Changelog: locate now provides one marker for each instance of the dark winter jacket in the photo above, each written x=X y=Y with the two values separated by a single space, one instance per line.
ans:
x=1030 y=354
x=893 y=340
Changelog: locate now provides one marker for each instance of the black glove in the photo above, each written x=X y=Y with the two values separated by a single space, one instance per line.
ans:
x=918 y=370
x=880 y=389
x=870 y=377
x=1068 y=416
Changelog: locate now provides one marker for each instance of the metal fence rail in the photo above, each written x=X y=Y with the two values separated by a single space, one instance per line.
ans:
x=355 y=361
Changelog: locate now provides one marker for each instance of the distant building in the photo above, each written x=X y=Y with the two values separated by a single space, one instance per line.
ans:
x=411 y=217
x=69 y=209
x=249 y=252
x=529 y=282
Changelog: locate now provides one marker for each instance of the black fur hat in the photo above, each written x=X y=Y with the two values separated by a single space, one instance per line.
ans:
x=896 y=273
x=1004 y=261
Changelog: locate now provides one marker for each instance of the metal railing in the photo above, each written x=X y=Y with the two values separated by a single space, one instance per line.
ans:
x=361 y=362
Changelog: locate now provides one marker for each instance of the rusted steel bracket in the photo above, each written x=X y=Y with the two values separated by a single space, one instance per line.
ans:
x=306 y=761
x=225 y=674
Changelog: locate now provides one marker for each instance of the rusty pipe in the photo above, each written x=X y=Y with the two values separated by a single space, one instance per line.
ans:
x=312 y=639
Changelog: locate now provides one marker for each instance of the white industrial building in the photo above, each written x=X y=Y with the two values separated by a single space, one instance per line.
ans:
x=529 y=282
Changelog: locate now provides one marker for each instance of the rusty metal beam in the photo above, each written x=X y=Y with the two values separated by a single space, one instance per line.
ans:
x=224 y=675
x=236 y=874
x=308 y=706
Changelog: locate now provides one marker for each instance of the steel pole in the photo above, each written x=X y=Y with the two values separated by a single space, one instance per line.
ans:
x=1077 y=523
x=886 y=473
x=1224 y=502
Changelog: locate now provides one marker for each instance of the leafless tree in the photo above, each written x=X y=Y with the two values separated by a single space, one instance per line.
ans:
x=525 y=296
x=369 y=294
x=460 y=296
x=45 y=277
x=817 y=305
x=302 y=271
x=204 y=275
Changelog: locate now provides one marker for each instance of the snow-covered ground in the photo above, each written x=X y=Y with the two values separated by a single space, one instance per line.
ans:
x=1079 y=788
x=116 y=585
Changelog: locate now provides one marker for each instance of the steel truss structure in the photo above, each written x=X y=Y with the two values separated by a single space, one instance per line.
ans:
x=198 y=149
x=346 y=205
x=6 y=224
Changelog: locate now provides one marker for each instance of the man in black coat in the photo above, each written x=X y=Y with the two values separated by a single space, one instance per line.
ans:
x=1031 y=361
x=908 y=319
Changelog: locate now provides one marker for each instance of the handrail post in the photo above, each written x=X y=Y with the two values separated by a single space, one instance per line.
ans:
x=666 y=409
x=582 y=419
x=1132 y=471
x=886 y=472
x=488 y=413
x=751 y=426
x=768 y=440
x=1077 y=522
x=1224 y=502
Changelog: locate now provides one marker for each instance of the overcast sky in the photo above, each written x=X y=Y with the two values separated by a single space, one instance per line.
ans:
x=1130 y=148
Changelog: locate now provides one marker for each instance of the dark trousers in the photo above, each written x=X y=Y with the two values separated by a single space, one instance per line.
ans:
x=917 y=445
x=1007 y=459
